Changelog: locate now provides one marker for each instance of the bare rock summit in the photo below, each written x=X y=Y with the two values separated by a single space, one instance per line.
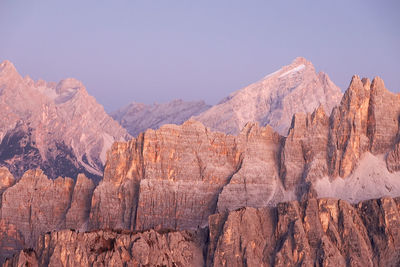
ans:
x=274 y=99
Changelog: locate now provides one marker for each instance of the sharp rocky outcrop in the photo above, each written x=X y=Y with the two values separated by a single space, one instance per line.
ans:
x=57 y=127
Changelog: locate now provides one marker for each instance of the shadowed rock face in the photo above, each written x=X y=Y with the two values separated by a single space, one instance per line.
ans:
x=59 y=128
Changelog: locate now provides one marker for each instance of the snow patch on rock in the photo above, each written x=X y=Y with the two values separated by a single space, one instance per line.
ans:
x=296 y=69
x=370 y=179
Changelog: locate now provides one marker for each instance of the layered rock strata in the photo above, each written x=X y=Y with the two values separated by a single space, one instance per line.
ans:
x=36 y=205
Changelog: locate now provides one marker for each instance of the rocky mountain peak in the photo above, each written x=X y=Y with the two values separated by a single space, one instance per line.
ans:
x=357 y=94
x=274 y=99
x=366 y=82
x=7 y=66
x=68 y=133
x=378 y=84
x=301 y=60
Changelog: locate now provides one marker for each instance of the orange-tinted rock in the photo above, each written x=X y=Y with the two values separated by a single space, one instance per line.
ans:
x=384 y=112
x=304 y=154
x=36 y=204
x=77 y=216
x=348 y=129
x=324 y=232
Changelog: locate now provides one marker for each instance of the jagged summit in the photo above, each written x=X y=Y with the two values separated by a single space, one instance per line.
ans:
x=59 y=128
x=274 y=99
x=297 y=65
x=6 y=65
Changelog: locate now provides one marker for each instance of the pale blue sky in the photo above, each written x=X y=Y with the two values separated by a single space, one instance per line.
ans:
x=156 y=51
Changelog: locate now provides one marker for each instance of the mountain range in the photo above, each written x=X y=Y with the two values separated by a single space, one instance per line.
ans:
x=320 y=190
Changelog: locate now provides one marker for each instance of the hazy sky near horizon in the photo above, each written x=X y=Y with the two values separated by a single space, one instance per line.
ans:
x=157 y=51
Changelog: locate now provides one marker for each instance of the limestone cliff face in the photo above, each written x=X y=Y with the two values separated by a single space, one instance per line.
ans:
x=256 y=181
x=159 y=180
x=36 y=204
x=295 y=88
x=59 y=128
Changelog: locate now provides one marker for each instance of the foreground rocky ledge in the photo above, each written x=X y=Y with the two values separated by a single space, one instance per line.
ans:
x=113 y=248
x=316 y=232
